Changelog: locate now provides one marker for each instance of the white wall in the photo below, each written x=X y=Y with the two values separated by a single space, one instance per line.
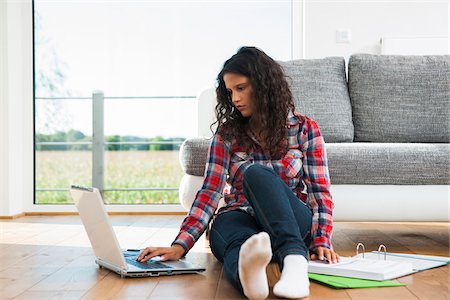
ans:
x=16 y=106
x=3 y=110
x=368 y=22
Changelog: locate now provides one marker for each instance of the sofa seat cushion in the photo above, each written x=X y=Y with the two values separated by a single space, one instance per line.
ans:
x=358 y=163
x=389 y=163
x=398 y=98
x=320 y=92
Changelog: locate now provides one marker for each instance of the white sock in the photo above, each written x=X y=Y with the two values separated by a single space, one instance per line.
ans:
x=294 y=282
x=254 y=256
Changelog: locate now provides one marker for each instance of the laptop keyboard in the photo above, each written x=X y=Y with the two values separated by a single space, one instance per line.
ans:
x=148 y=266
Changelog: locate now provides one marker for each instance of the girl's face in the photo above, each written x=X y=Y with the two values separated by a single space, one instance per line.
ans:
x=241 y=92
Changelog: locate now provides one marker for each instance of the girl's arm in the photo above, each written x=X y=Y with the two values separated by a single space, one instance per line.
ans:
x=317 y=180
x=207 y=198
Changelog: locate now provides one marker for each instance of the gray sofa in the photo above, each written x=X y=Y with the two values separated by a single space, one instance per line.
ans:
x=387 y=134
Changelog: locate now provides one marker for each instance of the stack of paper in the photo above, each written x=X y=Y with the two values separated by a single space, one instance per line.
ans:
x=419 y=262
x=363 y=268
x=372 y=269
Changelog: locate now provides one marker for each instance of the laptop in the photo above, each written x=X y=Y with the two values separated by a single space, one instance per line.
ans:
x=106 y=247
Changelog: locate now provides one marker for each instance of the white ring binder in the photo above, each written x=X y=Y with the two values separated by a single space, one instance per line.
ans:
x=381 y=247
x=363 y=249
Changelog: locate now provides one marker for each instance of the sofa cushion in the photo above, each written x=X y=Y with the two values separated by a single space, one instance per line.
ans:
x=359 y=163
x=320 y=90
x=389 y=163
x=400 y=98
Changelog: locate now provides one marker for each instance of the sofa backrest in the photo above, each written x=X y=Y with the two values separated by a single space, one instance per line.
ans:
x=319 y=87
x=400 y=98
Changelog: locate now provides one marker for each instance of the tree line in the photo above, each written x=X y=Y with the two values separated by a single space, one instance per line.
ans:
x=82 y=142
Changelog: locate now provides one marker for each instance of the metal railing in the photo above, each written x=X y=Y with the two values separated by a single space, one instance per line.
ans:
x=98 y=141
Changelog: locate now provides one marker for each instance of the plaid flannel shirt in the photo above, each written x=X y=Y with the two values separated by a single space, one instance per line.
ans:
x=303 y=168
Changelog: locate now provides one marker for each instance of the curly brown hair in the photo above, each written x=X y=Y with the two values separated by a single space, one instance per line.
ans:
x=272 y=100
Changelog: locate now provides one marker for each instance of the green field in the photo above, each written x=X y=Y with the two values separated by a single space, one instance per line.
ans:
x=123 y=169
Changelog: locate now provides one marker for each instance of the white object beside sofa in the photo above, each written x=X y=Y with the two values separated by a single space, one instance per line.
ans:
x=353 y=202
x=416 y=45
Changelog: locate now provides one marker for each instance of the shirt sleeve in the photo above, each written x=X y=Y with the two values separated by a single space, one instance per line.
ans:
x=317 y=180
x=207 y=198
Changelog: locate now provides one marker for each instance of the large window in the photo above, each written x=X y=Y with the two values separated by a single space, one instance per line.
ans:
x=145 y=61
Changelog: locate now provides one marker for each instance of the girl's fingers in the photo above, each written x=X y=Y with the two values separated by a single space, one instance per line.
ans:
x=320 y=253
x=146 y=253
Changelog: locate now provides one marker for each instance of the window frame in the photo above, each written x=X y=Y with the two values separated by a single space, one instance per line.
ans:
x=297 y=51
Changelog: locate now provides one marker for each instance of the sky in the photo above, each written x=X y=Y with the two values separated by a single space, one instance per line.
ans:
x=145 y=48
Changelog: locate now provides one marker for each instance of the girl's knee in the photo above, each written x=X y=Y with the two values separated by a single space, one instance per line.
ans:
x=255 y=171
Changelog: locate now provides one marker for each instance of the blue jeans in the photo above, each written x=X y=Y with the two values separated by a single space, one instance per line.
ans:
x=278 y=212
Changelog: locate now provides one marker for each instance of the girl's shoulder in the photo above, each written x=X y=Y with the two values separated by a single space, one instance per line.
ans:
x=298 y=119
x=305 y=124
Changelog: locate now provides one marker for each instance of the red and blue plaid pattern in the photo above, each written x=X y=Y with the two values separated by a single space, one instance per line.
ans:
x=304 y=169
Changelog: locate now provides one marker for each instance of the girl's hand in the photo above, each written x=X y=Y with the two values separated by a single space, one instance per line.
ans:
x=321 y=253
x=174 y=252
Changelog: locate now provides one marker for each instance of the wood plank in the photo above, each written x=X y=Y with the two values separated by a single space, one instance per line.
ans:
x=391 y=293
x=50 y=295
x=320 y=291
x=111 y=213
x=225 y=290
x=417 y=240
x=163 y=234
x=49 y=257
x=372 y=237
x=16 y=253
x=46 y=219
x=430 y=284
x=186 y=287
x=16 y=280
x=55 y=256
x=79 y=275
x=16 y=216
x=39 y=245
x=446 y=269
x=139 y=234
x=342 y=244
x=113 y=286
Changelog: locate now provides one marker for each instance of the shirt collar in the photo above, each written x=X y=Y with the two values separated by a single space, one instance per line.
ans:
x=292 y=119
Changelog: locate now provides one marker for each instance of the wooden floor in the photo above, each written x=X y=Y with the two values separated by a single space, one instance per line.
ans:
x=49 y=257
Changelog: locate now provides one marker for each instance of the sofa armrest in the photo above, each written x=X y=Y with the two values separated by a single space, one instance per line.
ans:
x=189 y=187
x=193 y=155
